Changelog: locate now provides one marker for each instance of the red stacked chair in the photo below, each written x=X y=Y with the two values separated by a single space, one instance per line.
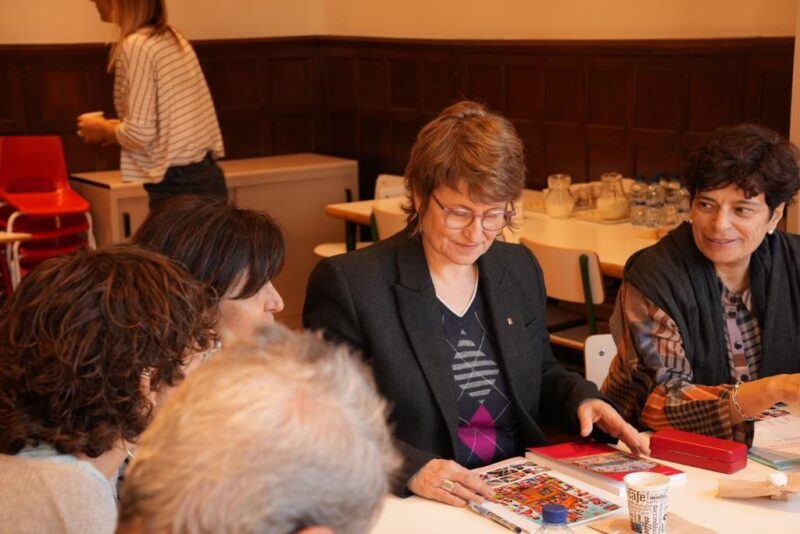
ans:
x=35 y=198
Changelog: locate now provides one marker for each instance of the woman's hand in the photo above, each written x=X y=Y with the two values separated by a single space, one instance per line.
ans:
x=95 y=129
x=429 y=482
x=756 y=396
x=595 y=411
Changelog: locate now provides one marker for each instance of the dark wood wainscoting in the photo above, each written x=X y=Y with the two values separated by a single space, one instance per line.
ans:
x=637 y=107
x=583 y=108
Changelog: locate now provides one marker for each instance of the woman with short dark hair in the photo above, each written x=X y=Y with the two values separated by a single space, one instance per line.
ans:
x=89 y=344
x=706 y=319
x=235 y=251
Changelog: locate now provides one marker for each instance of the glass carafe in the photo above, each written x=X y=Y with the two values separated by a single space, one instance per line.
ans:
x=612 y=202
x=559 y=201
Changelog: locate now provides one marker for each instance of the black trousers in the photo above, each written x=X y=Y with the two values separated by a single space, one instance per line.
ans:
x=204 y=178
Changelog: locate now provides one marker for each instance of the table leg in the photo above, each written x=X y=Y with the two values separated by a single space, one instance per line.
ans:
x=350 y=235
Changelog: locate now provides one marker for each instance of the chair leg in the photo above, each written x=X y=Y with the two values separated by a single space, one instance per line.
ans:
x=14 y=276
x=587 y=294
x=15 y=266
x=90 y=232
x=5 y=273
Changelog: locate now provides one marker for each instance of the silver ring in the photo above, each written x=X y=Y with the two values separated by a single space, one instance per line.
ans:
x=448 y=485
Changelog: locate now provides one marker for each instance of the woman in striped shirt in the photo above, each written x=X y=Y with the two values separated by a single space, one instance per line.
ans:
x=167 y=126
x=706 y=319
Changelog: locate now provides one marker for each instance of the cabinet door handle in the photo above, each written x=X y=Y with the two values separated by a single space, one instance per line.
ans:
x=126 y=224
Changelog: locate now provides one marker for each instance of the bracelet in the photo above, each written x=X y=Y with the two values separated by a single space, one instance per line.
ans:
x=736 y=401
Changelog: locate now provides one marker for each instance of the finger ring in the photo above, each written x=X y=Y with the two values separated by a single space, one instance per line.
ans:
x=448 y=485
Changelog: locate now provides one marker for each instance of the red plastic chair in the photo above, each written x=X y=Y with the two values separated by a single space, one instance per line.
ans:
x=37 y=199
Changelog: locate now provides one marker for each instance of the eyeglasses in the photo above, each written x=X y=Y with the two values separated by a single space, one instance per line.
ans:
x=458 y=219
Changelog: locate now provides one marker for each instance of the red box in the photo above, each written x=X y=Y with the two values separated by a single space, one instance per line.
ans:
x=698 y=450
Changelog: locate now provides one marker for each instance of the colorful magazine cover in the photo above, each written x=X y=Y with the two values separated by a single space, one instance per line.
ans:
x=522 y=487
x=599 y=464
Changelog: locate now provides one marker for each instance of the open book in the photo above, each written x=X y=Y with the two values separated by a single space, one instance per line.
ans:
x=522 y=487
x=598 y=464
x=777 y=438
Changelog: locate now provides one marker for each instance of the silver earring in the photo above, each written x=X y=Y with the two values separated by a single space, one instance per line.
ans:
x=689 y=220
x=771 y=231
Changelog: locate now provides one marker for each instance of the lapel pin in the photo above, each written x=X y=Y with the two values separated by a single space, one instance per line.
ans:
x=510 y=321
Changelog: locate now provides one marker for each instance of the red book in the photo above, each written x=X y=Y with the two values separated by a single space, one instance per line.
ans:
x=598 y=464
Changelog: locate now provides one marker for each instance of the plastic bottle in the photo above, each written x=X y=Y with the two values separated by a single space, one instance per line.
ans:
x=671 y=201
x=638 y=203
x=554 y=519
x=684 y=204
x=654 y=198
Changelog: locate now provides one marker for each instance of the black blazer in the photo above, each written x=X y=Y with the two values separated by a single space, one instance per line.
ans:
x=381 y=300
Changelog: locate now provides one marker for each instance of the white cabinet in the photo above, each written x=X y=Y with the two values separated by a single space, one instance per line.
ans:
x=294 y=189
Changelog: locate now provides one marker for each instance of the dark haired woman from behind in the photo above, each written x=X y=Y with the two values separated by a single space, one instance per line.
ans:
x=706 y=319
x=89 y=345
x=235 y=251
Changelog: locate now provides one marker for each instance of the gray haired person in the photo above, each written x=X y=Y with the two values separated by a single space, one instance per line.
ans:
x=282 y=433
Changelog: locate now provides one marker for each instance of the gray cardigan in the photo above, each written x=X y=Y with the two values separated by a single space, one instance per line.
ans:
x=381 y=300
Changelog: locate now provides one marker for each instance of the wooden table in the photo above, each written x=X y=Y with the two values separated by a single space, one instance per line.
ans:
x=613 y=243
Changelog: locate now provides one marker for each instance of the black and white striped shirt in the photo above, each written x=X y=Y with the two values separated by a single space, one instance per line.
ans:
x=166 y=114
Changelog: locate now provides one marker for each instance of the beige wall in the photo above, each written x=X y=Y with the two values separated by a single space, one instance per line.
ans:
x=76 y=21
x=71 y=21
x=561 y=19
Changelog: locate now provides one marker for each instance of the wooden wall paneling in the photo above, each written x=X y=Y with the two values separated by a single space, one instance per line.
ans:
x=291 y=84
x=610 y=91
x=239 y=85
x=524 y=89
x=485 y=82
x=343 y=133
x=404 y=133
x=564 y=90
x=565 y=151
x=535 y=153
x=580 y=107
x=403 y=84
x=768 y=86
x=340 y=82
x=666 y=156
x=11 y=119
x=373 y=83
x=293 y=105
x=715 y=92
x=608 y=149
x=442 y=83
x=59 y=84
x=658 y=94
x=375 y=152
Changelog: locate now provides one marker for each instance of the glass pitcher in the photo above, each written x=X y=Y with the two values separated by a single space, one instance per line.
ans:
x=559 y=201
x=612 y=203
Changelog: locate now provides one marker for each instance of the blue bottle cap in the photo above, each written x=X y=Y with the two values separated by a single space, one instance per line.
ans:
x=554 y=514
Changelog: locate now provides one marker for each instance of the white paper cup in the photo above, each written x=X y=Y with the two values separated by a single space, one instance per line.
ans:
x=647 y=502
x=90 y=114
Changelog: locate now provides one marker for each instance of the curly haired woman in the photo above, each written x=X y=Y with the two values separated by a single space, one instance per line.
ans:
x=89 y=344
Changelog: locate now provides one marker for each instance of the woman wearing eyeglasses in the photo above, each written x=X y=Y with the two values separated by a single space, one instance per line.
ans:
x=452 y=321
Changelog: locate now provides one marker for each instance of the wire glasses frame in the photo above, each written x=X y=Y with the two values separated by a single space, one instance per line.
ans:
x=491 y=221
